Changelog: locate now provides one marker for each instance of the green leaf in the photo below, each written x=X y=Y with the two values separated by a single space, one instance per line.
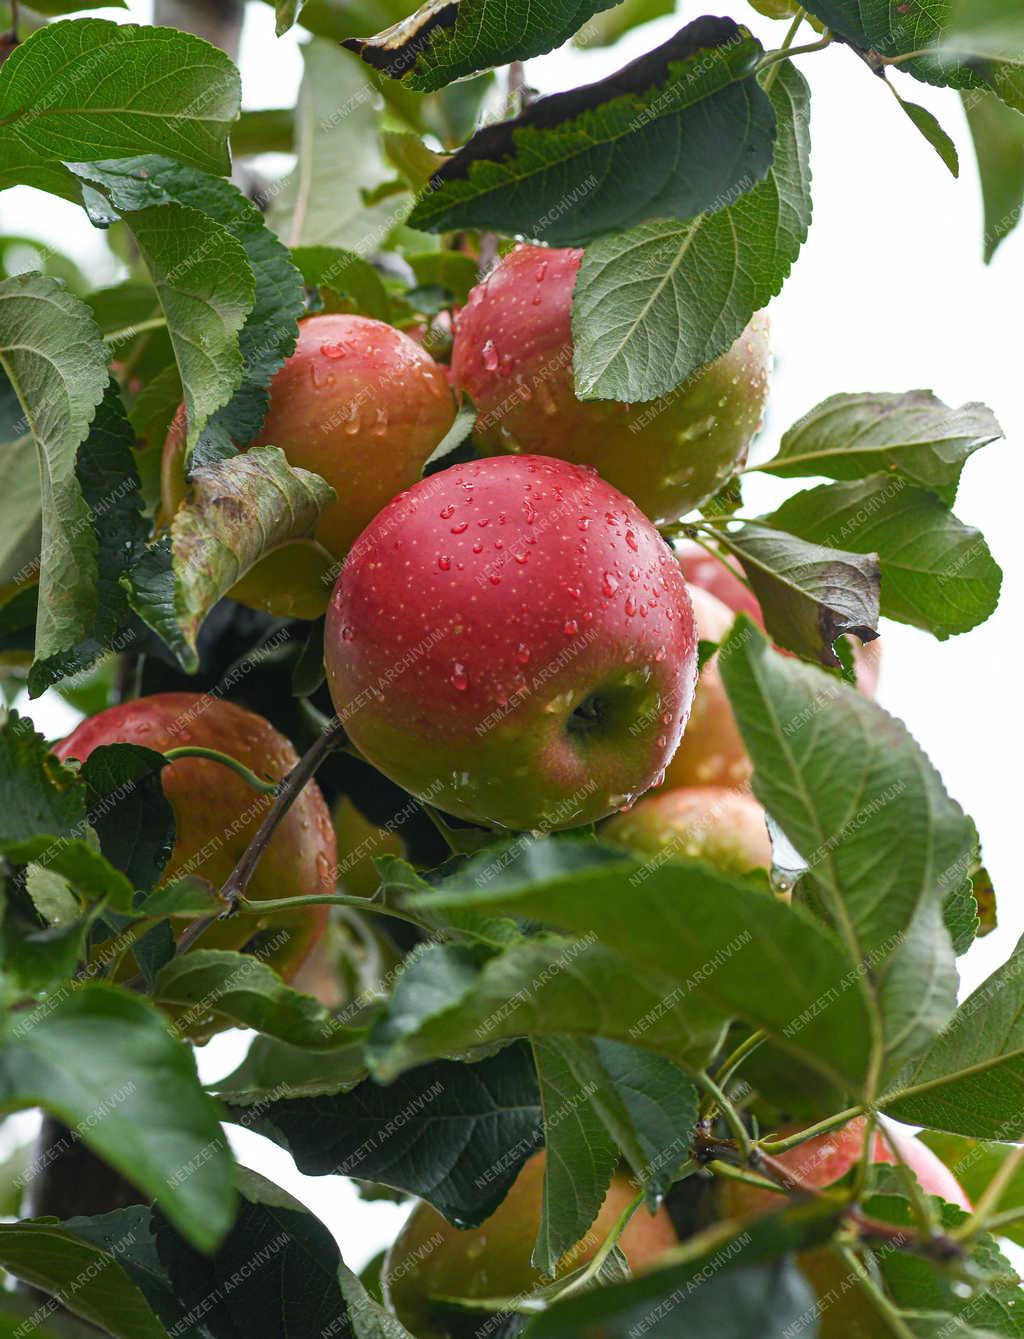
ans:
x=974 y=1163
x=272 y=1070
x=108 y=482
x=21 y=537
x=581 y=1156
x=287 y=14
x=128 y=810
x=911 y=434
x=90 y=1281
x=992 y=30
x=880 y=835
x=997 y=132
x=700 y=931
x=810 y=595
x=335 y=122
x=89 y=89
x=44 y=817
x=967 y=1081
x=245 y=992
x=937 y=573
x=271 y=328
x=444 y=1003
x=346 y=274
x=914 y=1283
x=677 y=132
x=929 y=126
x=646 y=1102
x=56 y=361
x=238 y=511
x=104 y=1062
x=653 y=305
x=446 y=40
x=35 y=959
x=207 y=292
x=263 y=130
x=454 y=1134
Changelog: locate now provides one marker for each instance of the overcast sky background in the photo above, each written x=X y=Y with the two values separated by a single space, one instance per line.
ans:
x=889 y=294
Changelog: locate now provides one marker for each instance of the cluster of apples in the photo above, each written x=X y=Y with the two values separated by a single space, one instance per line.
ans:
x=510 y=640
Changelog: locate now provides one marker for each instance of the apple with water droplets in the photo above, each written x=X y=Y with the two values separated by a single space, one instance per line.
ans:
x=512 y=641
x=216 y=814
x=724 y=827
x=513 y=355
x=361 y=404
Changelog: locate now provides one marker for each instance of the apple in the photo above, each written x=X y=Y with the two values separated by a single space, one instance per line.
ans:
x=513 y=355
x=512 y=641
x=722 y=578
x=431 y=1258
x=359 y=841
x=361 y=404
x=712 y=752
x=725 y=827
x=216 y=814
x=845 y=1312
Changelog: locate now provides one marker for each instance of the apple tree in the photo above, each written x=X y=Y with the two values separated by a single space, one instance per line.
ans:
x=451 y=725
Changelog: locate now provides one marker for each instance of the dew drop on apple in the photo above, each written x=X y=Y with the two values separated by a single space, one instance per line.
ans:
x=332 y=350
x=477 y=546
x=460 y=528
x=494 y=579
x=630 y=607
x=522 y=558
x=523 y=653
x=570 y=627
x=460 y=679
x=352 y=423
x=446 y=512
x=610 y=584
x=490 y=356
x=631 y=541
x=444 y=563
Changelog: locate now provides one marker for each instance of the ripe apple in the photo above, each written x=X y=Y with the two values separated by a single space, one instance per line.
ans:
x=359 y=403
x=725 y=827
x=712 y=752
x=216 y=813
x=721 y=577
x=431 y=1258
x=513 y=355
x=512 y=641
x=845 y=1312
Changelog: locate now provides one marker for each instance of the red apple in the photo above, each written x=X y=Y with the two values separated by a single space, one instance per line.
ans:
x=513 y=354
x=725 y=827
x=359 y=403
x=512 y=641
x=216 y=813
x=430 y=1258
x=712 y=752
x=845 y=1312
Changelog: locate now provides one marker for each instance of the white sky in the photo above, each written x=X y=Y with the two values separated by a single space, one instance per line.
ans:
x=889 y=294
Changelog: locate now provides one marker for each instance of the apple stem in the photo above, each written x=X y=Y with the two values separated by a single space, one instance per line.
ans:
x=288 y=792
x=225 y=759
x=732 y=1117
x=775 y=1146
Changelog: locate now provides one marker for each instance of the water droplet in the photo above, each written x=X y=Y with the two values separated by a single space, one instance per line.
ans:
x=380 y=427
x=631 y=541
x=460 y=528
x=662 y=742
x=659 y=655
x=444 y=563
x=477 y=546
x=346 y=633
x=352 y=423
x=583 y=523
x=460 y=679
x=542 y=270
x=522 y=558
x=610 y=584
x=570 y=627
x=484 y=520
x=490 y=356
x=523 y=653
x=630 y=607
x=332 y=350
x=573 y=592
x=494 y=579
x=634 y=574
